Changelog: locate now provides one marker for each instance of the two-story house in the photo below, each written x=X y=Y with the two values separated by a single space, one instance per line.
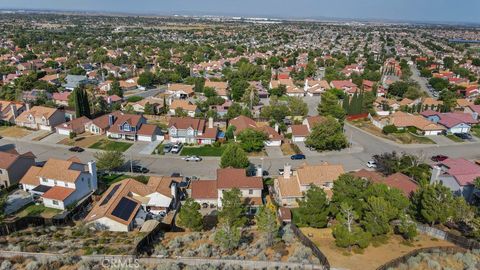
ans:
x=13 y=166
x=9 y=110
x=458 y=175
x=61 y=183
x=454 y=122
x=192 y=130
x=210 y=192
x=242 y=122
x=293 y=184
x=132 y=127
x=39 y=117
x=126 y=204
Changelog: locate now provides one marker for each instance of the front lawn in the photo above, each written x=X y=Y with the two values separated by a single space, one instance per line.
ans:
x=205 y=151
x=105 y=144
x=476 y=131
x=159 y=150
x=38 y=211
x=113 y=178
x=454 y=138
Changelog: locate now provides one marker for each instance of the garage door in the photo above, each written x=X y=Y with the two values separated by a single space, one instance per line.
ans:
x=63 y=131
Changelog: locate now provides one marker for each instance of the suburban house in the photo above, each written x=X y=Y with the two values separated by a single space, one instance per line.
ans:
x=132 y=127
x=156 y=103
x=454 y=122
x=299 y=132
x=315 y=88
x=192 y=130
x=220 y=87
x=292 y=184
x=40 y=117
x=397 y=180
x=345 y=85
x=403 y=120
x=128 y=204
x=242 y=122
x=180 y=90
x=101 y=124
x=74 y=81
x=210 y=192
x=13 y=166
x=474 y=110
x=61 y=183
x=186 y=106
x=76 y=126
x=458 y=175
x=292 y=89
x=61 y=98
x=9 y=110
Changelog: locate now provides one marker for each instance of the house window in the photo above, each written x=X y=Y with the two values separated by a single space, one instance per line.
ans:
x=55 y=202
x=1 y=171
x=44 y=180
x=250 y=191
x=55 y=182
x=66 y=184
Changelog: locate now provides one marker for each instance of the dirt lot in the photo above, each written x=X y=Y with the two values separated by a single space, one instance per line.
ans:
x=82 y=140
x=14 y=132
x=372 y=257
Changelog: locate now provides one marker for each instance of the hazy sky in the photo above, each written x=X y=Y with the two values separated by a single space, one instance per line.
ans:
x=415 y=10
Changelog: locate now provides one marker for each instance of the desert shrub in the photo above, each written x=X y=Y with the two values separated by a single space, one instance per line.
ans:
x=175 y=243
x=287 y=234
x=262 y=256
x=190 y=253
x=301 y=255
x=84 y=265
x=168 y=266
x=6 y=265
x=17 y=259
x=33 y=265
x=204 y=250
x=432 y=264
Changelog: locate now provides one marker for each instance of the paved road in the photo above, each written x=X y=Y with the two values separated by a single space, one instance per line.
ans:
x=420 y=80
x=147 y=93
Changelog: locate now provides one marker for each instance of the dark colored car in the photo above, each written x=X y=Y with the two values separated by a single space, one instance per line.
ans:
x=176 y=174
x=139 y=169
x=76 y=149
x=298 y=156
x=464 y=136
x=439 y=158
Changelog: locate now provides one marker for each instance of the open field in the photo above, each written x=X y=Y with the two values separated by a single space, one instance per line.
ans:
x=372 y=257
x=14 y=132
x=108 y=145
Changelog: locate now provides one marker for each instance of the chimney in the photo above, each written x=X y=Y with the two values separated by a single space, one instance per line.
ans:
x=173 y=191
x=13 y=107
x=92 y=169
x=276 y=127
x=287 y=171
x=435 y=174
x=111 y=119
x=210 y=122
x=27 y=105
x=259 y=172
x=475 y=116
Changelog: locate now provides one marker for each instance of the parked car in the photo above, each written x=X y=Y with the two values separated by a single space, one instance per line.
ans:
x=464 y=136
x=177 y=148
x=192 y=158
x=167 y=148
x=371 y=164
x=438 y=158
x=281 y=171
x=176 y=174
x=76 y=149
x=139 y=169
x=298 y=156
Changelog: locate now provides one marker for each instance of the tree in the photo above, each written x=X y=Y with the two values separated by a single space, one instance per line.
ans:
x=267 y=223
x=327 y=135
x=238 y=88
x=81 y=102
x=449 y=99
x=109 y=160
x=448 y=62
x=231 y=219
x=146 y=79
x=407 y=227
x=329 y=105
x=433 y=203
x=378 y=215
x=278 y=91
x=347 y=233
x=149 y=109
x=250 y=97
x=189 y=215
x=115 y=89
x=180 y=112
x=297 y=106
x=313 y=209
x=252 y=140
x=234 y=156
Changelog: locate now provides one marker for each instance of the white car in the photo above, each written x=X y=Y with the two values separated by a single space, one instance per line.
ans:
x=371 y=164
x=192 y=158
x=176 y=148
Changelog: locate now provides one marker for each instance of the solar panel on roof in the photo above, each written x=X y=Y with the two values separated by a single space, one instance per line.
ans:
x=110 y=195
x=124 y=208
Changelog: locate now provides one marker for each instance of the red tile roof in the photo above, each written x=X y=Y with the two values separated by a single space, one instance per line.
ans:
x=237 y=178
x=58 y=193
x=204 y=189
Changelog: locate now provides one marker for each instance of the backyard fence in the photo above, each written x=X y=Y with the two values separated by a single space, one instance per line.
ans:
x=458 y=240
x=395 y=262
x=307 y=242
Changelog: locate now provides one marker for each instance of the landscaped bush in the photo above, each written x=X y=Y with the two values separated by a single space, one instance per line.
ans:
x=388 y=129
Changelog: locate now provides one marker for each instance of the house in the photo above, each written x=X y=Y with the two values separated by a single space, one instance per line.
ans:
x=315 y=88
x=220 y=87
x=299 y=132
x=74 y=81
x=130 y=84
x=458 y=175
x=9 y=110
x=61 y=98
x=34 y=95
x=51 y=79
x=474 y=110
x=258 y=86
x=61 y=183
x=210 y=192
x=192 y=130
x=186 y=106
x=402 y=120
x=156 y=103
x=180 y=90
x=345 y=85
x=76 y=126
x=128 y=204
x=13 y=166
x=101 y=124
x=40 y=117
x=242 y=122
x=132 y=127
x=292 y=89
x=311 y=121
x=292 y=185
x=454 y=122
x=397 y=180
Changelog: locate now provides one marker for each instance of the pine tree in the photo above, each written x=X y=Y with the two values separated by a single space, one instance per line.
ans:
x=267 y=223
x=189 y=215
x=231 y=219
x=346 y=103
x=353 y=104
x=313 y=209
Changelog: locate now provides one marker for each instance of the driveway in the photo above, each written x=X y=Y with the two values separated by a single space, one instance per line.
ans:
x=53 y=138
x=274 y=151
x=150 y=147
x=442 y=140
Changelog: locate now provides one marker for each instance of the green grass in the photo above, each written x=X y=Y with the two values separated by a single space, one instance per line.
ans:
x=476 y=131
x=454 y=138
x=114 y=178
x=105 y=144
x=38 y=210
x=159 y=150
x=205 y=151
